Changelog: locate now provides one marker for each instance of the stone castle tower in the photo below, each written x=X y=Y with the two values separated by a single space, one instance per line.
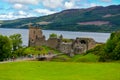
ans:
x=35 y=37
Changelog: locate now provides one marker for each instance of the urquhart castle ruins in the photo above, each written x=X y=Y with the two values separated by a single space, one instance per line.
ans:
x=75 y=46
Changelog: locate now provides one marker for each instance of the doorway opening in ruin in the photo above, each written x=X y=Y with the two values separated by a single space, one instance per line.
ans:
x=83 y=42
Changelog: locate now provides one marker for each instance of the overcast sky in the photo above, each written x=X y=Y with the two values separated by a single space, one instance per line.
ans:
x=13 y=9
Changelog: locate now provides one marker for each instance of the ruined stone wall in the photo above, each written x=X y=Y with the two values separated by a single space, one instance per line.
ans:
x=40 y=42
x=91 y=43
x=81 y=45
x=65 y=47
x=52 y=42
x=83 y=48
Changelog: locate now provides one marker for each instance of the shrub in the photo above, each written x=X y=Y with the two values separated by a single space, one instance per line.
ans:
x=53 y=35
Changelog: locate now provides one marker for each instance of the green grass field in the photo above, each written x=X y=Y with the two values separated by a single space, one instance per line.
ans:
x=35 y=70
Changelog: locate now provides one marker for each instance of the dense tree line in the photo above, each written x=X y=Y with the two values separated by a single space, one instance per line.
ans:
x=9 y=45
x=110 y=50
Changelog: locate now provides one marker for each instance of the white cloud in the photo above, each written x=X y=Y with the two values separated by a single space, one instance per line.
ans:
x=88 y=5
x=24 y=1
x=66 y=4
x=6 y=16
x=106 y=0
x=52 y=3
x=92 y=4
x=22 y=13
x=69 y=5
x=44 y=11
x=19 y=6
x=12 y=15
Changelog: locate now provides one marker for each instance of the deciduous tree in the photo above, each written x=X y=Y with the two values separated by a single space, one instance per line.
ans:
x=5 y=47
x=16 y=41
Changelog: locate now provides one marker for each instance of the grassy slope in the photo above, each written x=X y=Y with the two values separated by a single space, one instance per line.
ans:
x=59 y=71
x=77 y=58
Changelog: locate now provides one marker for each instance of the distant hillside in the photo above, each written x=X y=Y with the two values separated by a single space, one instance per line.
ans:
x=94 y=19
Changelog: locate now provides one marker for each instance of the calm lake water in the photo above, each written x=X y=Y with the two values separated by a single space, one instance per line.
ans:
x=98 y=37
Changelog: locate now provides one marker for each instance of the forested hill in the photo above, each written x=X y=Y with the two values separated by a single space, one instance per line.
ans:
x=94 y=19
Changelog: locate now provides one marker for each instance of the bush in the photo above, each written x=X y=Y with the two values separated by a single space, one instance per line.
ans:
x=53 y=35
x=40 y=50
x=110 y=50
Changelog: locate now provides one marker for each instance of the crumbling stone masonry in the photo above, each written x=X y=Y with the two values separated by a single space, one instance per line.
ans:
x=76 y=46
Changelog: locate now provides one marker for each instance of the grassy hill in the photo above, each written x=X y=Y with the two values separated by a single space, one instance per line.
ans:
x=35 y=70
x=108 y=18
